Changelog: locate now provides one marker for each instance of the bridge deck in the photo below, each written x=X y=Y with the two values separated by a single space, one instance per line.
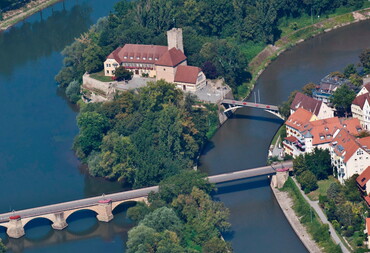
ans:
x=226 y=177
x=250 y=104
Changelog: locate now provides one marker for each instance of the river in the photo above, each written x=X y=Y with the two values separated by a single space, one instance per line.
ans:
x=37 y=129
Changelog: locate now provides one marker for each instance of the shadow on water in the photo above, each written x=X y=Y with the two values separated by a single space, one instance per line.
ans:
x=43 y=37
x=258 y=118
x=239 y=185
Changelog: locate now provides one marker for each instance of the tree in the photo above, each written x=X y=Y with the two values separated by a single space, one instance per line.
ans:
x=162 y=219
x=216 y=245
x=342 y=99
x=365 y=60
x=334 y=192
x=284 y=108
x=141 y=239
x=356 y=80
x=2 y=247
x=363 y=134
x=92 y=127
x=183 y=183
x=308 y=89
x=351 y=190
x=73 y=91
x=123 y=74
x=93 y=58
x=308 y=181
x=349 y=70
x=210 y=70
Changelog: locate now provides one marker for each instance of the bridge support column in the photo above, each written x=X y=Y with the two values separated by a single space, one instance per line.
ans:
x=278 y=180
x=105 y=211
x=60 y=222
x=15 y=229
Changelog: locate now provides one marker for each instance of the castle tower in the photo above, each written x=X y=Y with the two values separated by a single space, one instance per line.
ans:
x=174 y=39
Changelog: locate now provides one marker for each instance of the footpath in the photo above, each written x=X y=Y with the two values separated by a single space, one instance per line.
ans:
x=322 y=216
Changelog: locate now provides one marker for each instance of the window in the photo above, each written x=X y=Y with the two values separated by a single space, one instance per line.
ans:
x=125 y=57
x=150 y=58
x=138 y=58
x=144 y=58
x=360 y=152
x=131 y=57
x=107 y=71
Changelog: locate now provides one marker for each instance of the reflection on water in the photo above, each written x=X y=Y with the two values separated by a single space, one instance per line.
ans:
x=30 y=41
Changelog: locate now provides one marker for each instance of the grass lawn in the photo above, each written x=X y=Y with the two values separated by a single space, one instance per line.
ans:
x=278 y=133
x=323 y=187
x=101 y=77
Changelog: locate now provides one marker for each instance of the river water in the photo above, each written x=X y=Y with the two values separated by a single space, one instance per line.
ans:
x=37 y=127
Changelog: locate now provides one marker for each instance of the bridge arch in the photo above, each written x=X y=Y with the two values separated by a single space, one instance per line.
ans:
x=26 y=222
x=67 y=214
x=117 y=206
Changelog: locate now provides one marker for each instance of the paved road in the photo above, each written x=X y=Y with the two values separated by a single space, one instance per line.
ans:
x=266 y=170
x=322 y=216
x=249 y=104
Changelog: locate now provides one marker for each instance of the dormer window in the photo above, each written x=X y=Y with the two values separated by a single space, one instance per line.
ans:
x=131 y=57
x=138 y=58
x=322 y=137
x=156 y=58
x=150 y=58
x=125 y=57
x=144 y=58
x=326 y=129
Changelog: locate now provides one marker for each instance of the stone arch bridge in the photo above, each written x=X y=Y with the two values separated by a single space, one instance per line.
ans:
x=103 y=206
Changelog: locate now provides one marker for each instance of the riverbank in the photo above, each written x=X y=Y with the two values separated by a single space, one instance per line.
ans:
x=260 y=62
x=14 y=16
x=285 y=202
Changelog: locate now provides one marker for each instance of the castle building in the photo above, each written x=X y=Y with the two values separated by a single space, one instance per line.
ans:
x=162 y=62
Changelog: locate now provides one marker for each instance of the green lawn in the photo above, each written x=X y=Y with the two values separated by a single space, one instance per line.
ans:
x=278 y=133
x=101 y=77
x=323 y=187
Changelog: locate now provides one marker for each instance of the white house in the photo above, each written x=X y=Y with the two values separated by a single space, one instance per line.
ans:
x=349 y=155
x=361 y=110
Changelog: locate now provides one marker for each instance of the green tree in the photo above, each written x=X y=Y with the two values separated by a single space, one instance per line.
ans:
x=2 y=247
x=73 y=91
x=308 y=89
x=349 y=70
x=162 y=219
x=216 y=245
x=365 y=60
x=356 y=80
x=308 y=181
x=93 y=58
x=284 y=108
x=92 y=128
x=183 y=183
x=342 y=99
x=334 y=192
x=123 y=74
x=138 y=212
x=142 y=239
x=351 y=190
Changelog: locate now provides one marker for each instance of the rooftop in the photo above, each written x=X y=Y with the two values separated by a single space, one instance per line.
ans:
x=187 y=74
x=171 y=58
x=137 y=53
x=308 y=103
x=364 y=177
x=360 y=100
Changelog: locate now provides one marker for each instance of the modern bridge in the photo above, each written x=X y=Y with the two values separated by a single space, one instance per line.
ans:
x=103 y=205
x=234 y=104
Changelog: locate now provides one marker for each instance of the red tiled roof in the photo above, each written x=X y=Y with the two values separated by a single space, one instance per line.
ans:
x=367 y=199
x=364 y=177
x=323 y=130
x=187 y=74
x=367 y=86
x=140 y=53
x=291 y=139
x=352 y=125
x=299 y=119
x=306 y=102
x=365 y=143
x=171 y=58
x=345 y=144
x=360 y=100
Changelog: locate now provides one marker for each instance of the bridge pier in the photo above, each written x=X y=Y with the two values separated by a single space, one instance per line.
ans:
x=60 y=222
x=278 y=180
x=104 y=210
x=15 y=228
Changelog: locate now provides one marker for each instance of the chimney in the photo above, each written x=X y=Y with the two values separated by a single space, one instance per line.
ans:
x=174 y=39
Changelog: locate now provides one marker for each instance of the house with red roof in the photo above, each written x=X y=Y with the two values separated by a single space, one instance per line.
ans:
x=305 y=132
x=317 y=107
x=365 y=89
x=363 y=181
x=349 y=155
x=367 y=231
x=162 y=62
x=361 y=109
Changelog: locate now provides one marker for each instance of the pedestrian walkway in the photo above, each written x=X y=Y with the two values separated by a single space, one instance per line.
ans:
x=322 y=216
